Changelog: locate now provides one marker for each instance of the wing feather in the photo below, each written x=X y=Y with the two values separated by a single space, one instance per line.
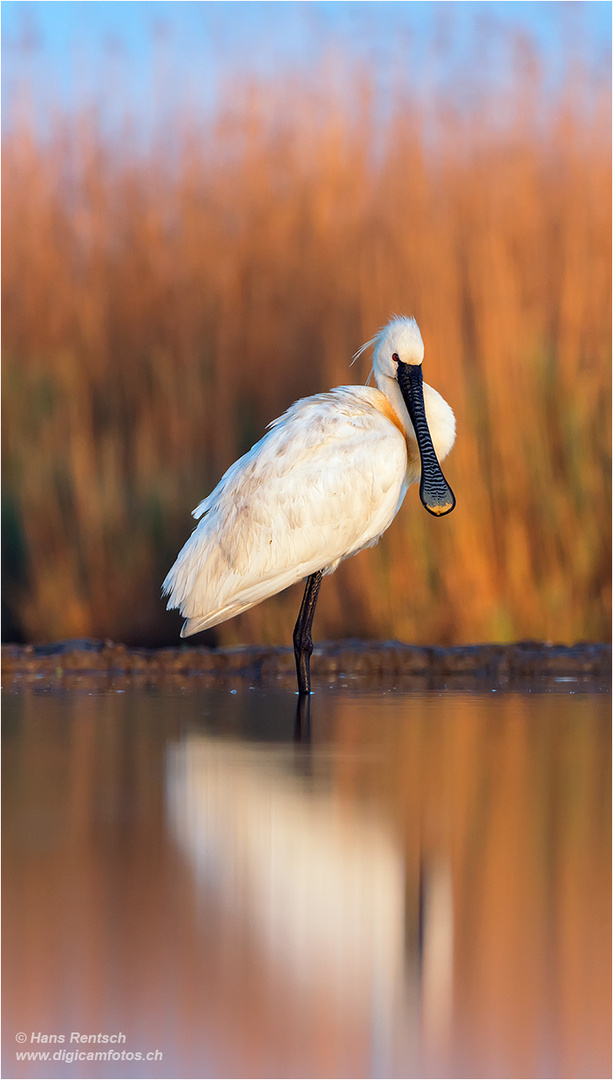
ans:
x=325 y=481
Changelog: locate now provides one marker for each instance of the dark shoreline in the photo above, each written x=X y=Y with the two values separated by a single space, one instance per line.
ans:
x=527 y=665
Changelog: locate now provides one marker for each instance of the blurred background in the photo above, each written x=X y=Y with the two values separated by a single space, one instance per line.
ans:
x=208 y=207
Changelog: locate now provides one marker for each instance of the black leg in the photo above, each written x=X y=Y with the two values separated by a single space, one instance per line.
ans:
x=303 y=642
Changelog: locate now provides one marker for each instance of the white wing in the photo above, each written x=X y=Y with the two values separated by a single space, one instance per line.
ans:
x=325 y=481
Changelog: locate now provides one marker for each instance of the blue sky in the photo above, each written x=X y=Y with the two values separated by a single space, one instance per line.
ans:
x=115 y=52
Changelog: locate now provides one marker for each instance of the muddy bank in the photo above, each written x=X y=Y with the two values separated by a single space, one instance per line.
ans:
x=372 y=665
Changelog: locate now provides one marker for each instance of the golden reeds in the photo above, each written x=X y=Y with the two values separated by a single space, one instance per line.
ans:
x=160 y=308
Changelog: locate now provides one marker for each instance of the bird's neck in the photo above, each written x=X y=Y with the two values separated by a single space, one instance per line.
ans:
x=397 y=412
x=389 y=387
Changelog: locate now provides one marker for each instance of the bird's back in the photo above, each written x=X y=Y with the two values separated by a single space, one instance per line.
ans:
x=325 y=481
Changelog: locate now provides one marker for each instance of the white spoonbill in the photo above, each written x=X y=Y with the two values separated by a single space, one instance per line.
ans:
x=327 y=480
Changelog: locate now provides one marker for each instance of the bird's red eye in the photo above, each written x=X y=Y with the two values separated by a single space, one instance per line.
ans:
x=395 y=358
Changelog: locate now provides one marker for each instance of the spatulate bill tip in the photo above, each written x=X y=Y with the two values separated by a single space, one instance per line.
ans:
x=438 y=504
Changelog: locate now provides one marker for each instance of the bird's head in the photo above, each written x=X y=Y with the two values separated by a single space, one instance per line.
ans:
x=400 y=341
x=397 y=359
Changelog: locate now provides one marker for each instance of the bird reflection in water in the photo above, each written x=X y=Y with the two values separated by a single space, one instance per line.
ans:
x=315 y=888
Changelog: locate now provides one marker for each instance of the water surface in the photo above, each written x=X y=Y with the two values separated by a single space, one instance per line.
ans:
x=417 y=885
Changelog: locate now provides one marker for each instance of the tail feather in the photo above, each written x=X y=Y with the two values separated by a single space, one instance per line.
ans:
x=193 y=626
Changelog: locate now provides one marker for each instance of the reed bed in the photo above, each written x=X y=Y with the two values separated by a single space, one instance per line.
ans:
x=161 y=306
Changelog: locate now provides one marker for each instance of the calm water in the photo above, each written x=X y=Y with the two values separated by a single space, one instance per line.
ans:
x=419 y=886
